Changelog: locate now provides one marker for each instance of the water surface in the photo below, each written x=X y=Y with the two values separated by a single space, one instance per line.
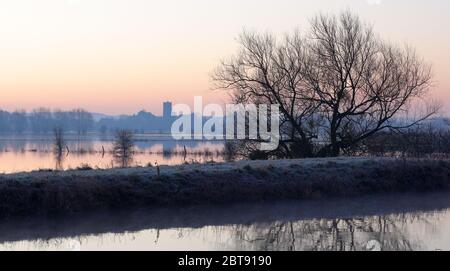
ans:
x=397 y=222
x=22 y=153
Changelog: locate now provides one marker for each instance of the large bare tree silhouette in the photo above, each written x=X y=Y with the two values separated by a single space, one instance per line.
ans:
x=337 y=84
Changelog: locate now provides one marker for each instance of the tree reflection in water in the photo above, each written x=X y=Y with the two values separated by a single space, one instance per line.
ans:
x=389 y=232
x=59 y=161
x=341 y=225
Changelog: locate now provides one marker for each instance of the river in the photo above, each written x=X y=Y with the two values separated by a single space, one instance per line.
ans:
x=394 y=222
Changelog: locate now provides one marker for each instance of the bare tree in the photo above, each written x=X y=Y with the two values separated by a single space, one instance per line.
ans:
x=362 y=82
x=82 y=120
x=123 y=147
x=338 y=84
x=58 y=140
x=58 y=145
x=268 y=72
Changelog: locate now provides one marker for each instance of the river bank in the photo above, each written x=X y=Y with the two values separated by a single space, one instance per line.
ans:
x=67 y=192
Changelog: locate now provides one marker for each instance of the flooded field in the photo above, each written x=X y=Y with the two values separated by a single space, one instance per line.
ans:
x=35 y=152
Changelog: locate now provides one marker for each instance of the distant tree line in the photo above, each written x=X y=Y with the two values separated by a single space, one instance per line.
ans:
x=43 y=120
x=141 y=122
x=424 y=141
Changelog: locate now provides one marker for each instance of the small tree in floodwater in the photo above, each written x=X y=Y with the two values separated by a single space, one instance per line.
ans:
x=58 y=146
x=58 y=140
x=123 y=148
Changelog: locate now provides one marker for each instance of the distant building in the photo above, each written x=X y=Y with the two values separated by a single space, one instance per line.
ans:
x=167 y=110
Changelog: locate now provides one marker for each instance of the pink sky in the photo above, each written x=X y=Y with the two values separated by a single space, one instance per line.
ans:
x=121 y=56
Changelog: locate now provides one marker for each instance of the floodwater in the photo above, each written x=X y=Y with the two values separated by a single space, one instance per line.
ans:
x=396 y=222
x=35 y=152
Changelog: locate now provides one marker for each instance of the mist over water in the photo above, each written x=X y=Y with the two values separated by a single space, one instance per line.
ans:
x=394 y=222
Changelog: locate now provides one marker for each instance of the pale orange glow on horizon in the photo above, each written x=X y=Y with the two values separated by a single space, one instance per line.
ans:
x=117 y=56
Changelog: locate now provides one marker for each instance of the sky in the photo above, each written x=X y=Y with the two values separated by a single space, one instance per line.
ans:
x=121 y=56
